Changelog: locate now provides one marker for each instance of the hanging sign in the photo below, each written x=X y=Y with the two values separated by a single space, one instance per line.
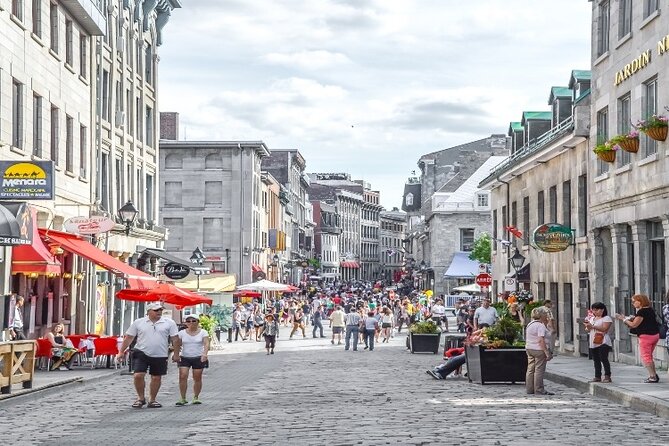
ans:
x=552 y=237
x=510 y=284
x=176 y=271
x=16 y=224
x=89 y=225
x=23 y=180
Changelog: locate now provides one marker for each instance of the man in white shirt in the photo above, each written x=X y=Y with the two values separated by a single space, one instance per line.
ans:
x=16 y=324
x=337 y=323
x=150 y=353
x=352 y=329
x=485 y=315
x=438 y=312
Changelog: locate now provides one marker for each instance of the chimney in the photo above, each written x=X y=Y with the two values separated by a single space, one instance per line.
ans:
x=169 y=126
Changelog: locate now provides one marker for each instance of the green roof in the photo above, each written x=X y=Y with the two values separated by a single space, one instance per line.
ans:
x=543 y=115
x=516 y=127
x=581 y=74
x=559 y=92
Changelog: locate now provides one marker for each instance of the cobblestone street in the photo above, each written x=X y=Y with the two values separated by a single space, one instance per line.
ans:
x=311 y=392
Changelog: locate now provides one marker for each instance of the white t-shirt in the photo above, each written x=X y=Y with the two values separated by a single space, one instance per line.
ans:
x=438 y=310
x=599 y=323
x=371 y=323
x=152 y=338
x=485 y=315
x=337 y=318
x=192 y=345
x=534 y=331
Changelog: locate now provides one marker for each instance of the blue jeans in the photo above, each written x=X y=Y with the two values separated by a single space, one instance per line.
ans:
x=351 y=330
x=370 y=338
x=317 y=324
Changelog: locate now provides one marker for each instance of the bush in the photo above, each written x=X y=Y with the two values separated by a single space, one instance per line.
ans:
x=424 y=327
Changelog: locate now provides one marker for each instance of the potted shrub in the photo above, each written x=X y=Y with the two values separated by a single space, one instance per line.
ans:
x=606 y=151
x=424 y=337
x=655 y=127
x=628 y=142
x=498 y=355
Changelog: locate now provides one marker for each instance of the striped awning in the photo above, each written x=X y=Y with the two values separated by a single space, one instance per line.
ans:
x=349 y=264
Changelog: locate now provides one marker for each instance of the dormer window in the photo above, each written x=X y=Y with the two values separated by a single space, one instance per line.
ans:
x=482 y=200
x=408 y=200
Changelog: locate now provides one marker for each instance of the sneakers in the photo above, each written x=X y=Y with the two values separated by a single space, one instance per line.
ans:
x=182 y=402
x=196 y=400
x=433 y=374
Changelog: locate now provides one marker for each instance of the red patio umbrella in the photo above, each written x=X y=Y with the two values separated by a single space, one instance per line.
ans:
x=164 y=292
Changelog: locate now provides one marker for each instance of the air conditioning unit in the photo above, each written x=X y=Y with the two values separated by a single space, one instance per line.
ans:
x=120 y=118
x=120 y=44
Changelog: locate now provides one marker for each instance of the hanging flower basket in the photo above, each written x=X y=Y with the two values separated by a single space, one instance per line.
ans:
x=657 y=133
x=630 y=145
x=609 y=156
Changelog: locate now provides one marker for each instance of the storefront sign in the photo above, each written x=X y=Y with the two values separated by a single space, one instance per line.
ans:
x=26 y=180
x=639 y=62
x=176 y=271
x=552 y=237
x=16 y=224
x=89 y=225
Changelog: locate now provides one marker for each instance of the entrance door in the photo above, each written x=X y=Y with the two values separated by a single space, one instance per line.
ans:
x=583 y=307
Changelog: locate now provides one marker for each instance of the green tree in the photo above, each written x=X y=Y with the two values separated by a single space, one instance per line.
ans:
x=482 y=248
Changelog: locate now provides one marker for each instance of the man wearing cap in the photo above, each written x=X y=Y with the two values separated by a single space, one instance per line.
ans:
x=153 y=333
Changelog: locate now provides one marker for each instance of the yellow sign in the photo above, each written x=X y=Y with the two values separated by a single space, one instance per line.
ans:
x=100 y=309
x=631 y=68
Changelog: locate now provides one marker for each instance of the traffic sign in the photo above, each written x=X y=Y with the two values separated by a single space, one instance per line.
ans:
x=484 y=280
x=510 y=284
x=483 y=268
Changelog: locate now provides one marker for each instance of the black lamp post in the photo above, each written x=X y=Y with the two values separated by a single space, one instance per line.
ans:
x=197 y=258
x=128 y=213
x=517 y=261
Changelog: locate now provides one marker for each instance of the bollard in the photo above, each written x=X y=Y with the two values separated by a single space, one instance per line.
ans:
x=230 y=334
x=218 y=333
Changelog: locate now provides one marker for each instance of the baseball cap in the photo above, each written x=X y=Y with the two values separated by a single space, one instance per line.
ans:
x=192 y=316
x=154 y=306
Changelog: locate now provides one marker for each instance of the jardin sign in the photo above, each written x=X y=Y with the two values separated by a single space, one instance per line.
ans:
x=552 y=237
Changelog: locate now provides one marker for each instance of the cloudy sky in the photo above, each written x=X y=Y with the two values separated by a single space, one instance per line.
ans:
x=366 y=86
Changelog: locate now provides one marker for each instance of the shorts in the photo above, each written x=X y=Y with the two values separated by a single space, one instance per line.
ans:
x=385 y=325
x=337 y=330
x=194 y=363
x=141 y=363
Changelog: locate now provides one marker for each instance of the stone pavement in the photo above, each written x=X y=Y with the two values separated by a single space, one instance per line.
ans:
x=311 y=392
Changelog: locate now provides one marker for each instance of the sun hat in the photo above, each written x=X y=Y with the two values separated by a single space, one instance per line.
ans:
x=154 y=306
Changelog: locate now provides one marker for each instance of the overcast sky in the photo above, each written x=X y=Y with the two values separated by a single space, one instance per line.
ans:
x=366 y=86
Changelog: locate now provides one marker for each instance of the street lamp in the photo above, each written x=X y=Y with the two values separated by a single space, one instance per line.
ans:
x=128 y=213
x=422 y=265
x=517 y=261
x=197 y=258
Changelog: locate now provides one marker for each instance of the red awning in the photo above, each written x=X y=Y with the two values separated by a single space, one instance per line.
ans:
x=34 y=258
x=75 y=244
x=247 y=293
x=256 y=268
x=349 y=264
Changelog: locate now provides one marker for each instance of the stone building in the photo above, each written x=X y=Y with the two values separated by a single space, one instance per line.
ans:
x=392 y=231
x=544 y=181
x=370 y=268
x=211 y=198
x=273 y=229
x=628 y=228
x=326 y=238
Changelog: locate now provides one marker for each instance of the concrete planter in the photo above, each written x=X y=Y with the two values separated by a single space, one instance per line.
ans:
x=495 y=365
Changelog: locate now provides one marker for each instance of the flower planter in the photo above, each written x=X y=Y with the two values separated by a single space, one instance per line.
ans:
x=424 y=343
x=630 y=145
x=657 y=133
x=495 y=365
x=608 y=155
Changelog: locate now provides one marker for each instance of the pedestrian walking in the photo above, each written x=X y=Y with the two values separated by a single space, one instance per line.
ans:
x=237 y=321
x=318 y=316
x=371 y=327
x=153 y=333
x=352 y=321
x=337 y=323
x=258 y=321
x=387 y=320
x=190 y=351
x=298 y=323
x=600 y=342
x=16 y=324
x=271 y=331
x=644 y=325
x=537 y=352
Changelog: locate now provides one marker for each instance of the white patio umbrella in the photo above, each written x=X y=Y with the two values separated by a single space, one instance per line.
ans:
x=264 y=285
x=471 y=288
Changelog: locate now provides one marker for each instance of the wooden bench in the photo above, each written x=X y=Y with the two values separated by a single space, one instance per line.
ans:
x=18 y=364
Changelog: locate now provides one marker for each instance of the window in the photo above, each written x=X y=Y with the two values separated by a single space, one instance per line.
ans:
x=552 y=204
x=37 y=125
x=408 y=200
x=17 y=9
x=69 y=42
x=514 y=214
x=657 y=263
x=540 y=208
x=625 y=18
x=541 y=291
x=629 y=254
x=17 y=114
x=37 y=17
x=53 y=27
x=175 y=239
x=602 y=137
x=483 y=200
x=173 y=193
x=603 y=25
x=139 y=54
x=505 y=219
x=173 y=161
x=494 y=228
x=566 y=203
x=148 y=65
x=213 y=192
x=466 y=239
x=149 y=197
x=130 y=182
x=140 y=129
x=649 y=109
x=104 y=182
x=69 y=144
x=119 y=119
x=526 y=220
x=83 y=55
x=130 y=120
x=149 y=126
x=212 y=229
x=83 y=151
x=55 y=134
x=568 y=313
x=624 y=126
x=583 y=205
x=105 y=95
x=649 y=7
x=120 y=184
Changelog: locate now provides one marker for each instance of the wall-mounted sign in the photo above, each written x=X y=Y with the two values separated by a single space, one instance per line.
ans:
x=89 y=225
x=26 y=180
x=510 y=284
x=552 y=237
x=16 y=224
x=176 y=271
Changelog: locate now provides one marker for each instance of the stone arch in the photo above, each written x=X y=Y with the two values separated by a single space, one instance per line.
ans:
x=213 y=161
x=173 y=161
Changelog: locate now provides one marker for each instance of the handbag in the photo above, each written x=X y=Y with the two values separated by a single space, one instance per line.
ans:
x=598 y=339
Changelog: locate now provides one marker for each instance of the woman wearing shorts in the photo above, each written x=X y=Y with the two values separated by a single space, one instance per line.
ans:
x=190 y=351
x=271 y=331
x=258 y=321
x=387 y=320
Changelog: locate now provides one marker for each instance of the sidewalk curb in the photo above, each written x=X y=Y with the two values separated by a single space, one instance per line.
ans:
x=54 y=386
x=626 y=398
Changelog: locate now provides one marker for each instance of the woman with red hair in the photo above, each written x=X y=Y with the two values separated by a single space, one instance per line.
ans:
x=644 y=325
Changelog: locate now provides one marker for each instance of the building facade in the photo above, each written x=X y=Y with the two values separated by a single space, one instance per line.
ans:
x=370 y=268
x=326 y=238
x=392 y=231
x=628 y=199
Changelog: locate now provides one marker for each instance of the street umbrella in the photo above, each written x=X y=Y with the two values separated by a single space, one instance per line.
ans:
x=164 y=292
x=264 y=285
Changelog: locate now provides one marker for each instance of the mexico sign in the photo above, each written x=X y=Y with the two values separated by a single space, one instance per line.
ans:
x=552 y=237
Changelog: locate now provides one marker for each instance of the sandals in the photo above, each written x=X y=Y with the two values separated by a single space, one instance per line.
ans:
x=154 y=405
x=139 y=404
x=655 y=379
